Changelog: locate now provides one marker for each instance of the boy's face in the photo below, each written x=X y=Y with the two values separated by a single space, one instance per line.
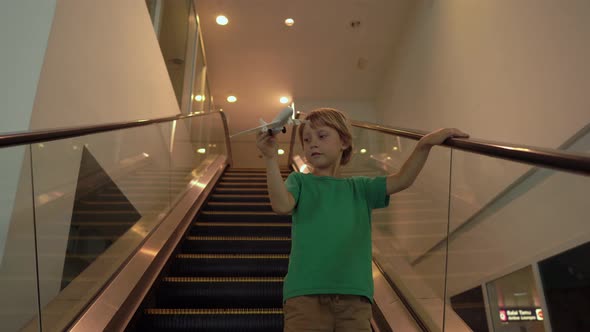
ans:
x=322 y=146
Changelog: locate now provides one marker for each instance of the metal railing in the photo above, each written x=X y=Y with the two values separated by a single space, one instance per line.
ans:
x=31 y=137
x=536 y=156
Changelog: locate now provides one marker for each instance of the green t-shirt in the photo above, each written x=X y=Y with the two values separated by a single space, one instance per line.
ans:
x=331 y=234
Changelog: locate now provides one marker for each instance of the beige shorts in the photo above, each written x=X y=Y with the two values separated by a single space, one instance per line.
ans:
x=340 y=313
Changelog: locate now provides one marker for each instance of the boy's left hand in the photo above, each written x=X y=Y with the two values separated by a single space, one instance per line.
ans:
x=439 y=136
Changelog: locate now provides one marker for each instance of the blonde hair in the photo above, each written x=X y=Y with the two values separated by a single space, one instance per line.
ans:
x=332 y=118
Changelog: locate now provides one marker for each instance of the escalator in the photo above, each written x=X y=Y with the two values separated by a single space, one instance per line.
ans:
x=227 y=274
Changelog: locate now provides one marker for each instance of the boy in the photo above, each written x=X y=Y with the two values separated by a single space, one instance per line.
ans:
x=329 y=284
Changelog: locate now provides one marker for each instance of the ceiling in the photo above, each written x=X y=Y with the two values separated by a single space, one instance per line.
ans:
x=321 y=57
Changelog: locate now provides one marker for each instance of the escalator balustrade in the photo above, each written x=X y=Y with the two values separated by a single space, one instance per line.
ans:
x=227 y=274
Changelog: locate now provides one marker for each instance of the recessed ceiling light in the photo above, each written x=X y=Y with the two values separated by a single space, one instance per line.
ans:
x=289 y=22
x=281 y=151
x=284 y=100
x=199 y=98
x=363 y=151
x=232 y=99
x=221 y=20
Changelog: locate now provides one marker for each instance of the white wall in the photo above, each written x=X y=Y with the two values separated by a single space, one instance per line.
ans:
x=360 y=110
x=24 y=31
x=103 y=64
x=511 y=71
x=501 y=70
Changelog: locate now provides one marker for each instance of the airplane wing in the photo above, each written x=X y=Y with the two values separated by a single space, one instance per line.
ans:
x=263 y=127
x=249 y=131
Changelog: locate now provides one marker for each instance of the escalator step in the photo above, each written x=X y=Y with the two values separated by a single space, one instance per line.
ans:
x=215 y=292
x=229 y=265
x=240 y=229
x=239 y=198
x=244 y=179
x=239 y=185
x=238 y=206
x=243 y=216
x=217 y=320
x=261 y=172
x=241 y=191
x=242 y=245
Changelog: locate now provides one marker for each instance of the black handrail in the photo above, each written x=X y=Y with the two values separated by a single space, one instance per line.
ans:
x=30 y=137
x=544 y=157
x=551 y=158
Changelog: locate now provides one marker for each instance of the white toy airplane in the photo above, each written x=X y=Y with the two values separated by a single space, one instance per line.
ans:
x=276 y=125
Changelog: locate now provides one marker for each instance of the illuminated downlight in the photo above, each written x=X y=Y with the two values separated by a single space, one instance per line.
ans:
x=281 y=152
x=222 y=20
x=232 y=99
x=284 y=100
x=289 y=22
x=201 y=150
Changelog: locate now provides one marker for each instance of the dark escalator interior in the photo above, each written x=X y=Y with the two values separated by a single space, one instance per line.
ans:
x=227 y=273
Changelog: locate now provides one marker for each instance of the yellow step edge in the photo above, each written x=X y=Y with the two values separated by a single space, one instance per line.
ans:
x=233 y=256
x=266 y=213
x=245 y=224
x=237 y=189
x=237 y=238
x=222 y=279
x=270 y=311
x=238 y=196
x=238 y=203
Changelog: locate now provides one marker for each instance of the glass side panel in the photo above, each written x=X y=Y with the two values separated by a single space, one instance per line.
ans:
x=196 y=143
x=97 y=197
x=405 y=233
x=209 y=106
x=153 y=9
x=187 y=97
x=297 y=149
x=217 y=136
x=510 y=221
x=18 y=274
x=199 y=92
x=175 y=17
x=208 y=137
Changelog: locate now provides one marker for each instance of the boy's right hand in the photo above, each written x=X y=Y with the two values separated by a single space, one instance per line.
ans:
x=267 y=144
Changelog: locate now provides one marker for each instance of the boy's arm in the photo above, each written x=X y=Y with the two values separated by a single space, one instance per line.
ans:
x=412 y=167
x=281 y=200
